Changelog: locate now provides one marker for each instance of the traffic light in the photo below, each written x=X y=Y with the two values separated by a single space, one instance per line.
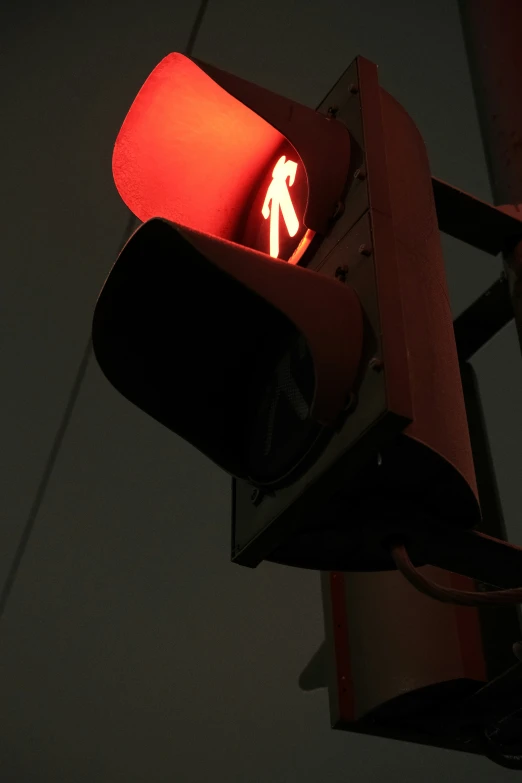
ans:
x=284 y=309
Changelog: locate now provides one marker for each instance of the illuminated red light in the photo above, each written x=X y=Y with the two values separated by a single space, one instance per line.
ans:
x=278 y=200
x=199 y=147
x=275 y=224
x=301 y=247
x=190 y=152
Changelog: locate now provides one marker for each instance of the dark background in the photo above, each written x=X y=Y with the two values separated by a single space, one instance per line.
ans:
x=131 y=649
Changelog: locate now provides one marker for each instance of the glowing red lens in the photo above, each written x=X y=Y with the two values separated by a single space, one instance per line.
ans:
x=190 y=152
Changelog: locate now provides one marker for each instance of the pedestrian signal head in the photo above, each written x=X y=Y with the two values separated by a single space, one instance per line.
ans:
x=248 y=358
x=284 y=310
x=209 y=151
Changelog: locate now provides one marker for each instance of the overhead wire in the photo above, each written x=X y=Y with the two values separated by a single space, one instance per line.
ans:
x=73 y=396
x=196 y=26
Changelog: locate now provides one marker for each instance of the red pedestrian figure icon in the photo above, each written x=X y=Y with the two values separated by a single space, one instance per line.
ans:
x=278 y=199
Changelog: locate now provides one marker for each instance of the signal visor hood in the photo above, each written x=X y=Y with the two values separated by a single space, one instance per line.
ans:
x=185 y=322
x=197 y=142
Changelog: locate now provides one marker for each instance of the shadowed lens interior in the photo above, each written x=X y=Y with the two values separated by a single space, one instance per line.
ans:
x=279 y=431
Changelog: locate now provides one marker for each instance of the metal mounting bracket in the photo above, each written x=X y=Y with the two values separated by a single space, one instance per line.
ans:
x=491 y=229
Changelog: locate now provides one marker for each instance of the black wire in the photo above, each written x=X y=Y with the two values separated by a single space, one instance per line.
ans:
x=51 y=460
x=196 y=27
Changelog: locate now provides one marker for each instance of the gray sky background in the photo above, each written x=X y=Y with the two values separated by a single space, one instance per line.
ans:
x=131 y=649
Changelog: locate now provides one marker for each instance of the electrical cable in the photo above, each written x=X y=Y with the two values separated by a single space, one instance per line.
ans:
x=402 y=560
x=497 y=750
x=493 y=742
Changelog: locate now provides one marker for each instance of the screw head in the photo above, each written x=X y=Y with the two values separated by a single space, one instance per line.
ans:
x=332 y=111
x=376 y=364
x=351 y=402
x=353 y=89
x=341 y=272
x=257 y=496
x=359 y=174
x=339 y=209
x=365 y=250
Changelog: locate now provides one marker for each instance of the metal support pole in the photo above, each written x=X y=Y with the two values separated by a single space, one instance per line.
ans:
x=493 y=37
